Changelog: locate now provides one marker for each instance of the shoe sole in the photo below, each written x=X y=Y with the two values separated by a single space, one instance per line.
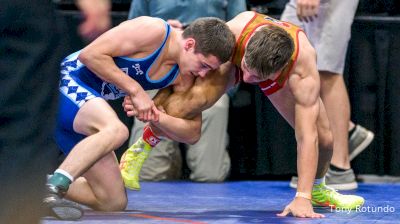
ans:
x=67 y=213
x=132 y=188
x=127 y=185
x=65 y=210
x=322 y=205
x=362 y=146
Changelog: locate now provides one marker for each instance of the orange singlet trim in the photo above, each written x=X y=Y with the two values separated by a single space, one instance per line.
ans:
x=240 y=53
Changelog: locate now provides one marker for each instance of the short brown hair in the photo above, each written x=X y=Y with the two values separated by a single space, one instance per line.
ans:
x=212 y=36
x=268 y=50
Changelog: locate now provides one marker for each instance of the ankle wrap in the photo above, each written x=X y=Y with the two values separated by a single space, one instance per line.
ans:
x=150 y=137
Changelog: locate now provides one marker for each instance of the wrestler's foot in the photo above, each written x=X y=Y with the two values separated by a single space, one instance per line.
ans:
x=325 y=196
x=59 y=207
x=131 y=163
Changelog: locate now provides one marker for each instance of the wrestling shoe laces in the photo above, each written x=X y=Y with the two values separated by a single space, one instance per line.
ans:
x=325 y=196
x=131 y=163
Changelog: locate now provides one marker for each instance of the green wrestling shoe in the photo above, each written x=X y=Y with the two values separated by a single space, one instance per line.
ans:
x=325 y=196
x=131 y=163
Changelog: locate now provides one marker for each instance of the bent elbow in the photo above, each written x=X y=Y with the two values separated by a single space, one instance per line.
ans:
x=194 y=138
x=87 y=55
x=84 y=56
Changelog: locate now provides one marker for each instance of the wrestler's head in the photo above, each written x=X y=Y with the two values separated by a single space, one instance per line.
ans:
x=208 y=42
x=267 y=53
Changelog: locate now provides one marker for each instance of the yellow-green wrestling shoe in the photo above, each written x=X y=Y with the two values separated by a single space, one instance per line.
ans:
x=325 y=196
x=131 y=163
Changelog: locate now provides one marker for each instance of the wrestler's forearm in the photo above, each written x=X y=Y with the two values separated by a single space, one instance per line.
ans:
x=307 y=160
x=202 y=95
x=182 y=121
x=106 y=69
x=181 y=130
x=189 y=105
x=305 y=125
x=171 y=125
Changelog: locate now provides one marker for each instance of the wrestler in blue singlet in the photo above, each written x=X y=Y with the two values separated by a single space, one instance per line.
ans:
x=78 y=85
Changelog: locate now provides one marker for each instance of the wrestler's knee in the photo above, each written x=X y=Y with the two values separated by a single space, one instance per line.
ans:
x=113 y=202
x=118 y=132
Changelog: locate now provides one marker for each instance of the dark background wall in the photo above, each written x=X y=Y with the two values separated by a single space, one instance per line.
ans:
x=262 y=145
x=373 y=78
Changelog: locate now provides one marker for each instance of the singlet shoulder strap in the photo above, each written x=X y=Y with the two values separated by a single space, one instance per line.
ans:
x=168 y=28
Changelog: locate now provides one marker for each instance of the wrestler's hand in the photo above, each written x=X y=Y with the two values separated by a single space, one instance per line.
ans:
x=143 y=106
x=159 y=110
x=300 y=207
x=128 y=107
x=307 y=10
x=130 y=111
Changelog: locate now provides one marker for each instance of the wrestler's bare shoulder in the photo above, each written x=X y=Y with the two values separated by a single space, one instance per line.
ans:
x=240 y=20
x=144 y=24
x=245 y=15
x=306 y=57
x=138 y=37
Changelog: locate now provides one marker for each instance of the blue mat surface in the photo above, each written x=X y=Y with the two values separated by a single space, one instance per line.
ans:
x=239 y=202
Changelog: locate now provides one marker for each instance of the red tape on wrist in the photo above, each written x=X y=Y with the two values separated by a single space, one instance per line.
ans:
x=150 y=137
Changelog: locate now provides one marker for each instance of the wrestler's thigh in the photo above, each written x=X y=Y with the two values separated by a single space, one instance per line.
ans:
x=94 y=115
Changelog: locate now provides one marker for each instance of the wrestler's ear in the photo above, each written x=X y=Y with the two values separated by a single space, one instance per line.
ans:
x=189 y=44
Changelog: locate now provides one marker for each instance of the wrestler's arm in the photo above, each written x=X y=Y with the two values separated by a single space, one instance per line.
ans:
x=182 y=120
x=187 y=131
x=119 y=41
x=307 y=106
x=304 y=86
x=202 y=95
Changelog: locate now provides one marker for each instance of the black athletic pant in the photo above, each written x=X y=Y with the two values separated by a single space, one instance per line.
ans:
x=31 y=49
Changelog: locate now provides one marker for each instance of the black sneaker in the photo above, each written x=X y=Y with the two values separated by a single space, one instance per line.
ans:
x=339 y=180
x=359 y=141
x=61 y=208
